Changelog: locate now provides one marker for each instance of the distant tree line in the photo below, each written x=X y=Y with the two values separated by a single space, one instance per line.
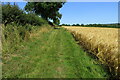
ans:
x=70 y=25
x=116 y=25
x=103 y=25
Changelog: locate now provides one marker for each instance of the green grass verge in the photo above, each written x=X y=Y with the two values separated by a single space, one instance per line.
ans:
x=51 y=54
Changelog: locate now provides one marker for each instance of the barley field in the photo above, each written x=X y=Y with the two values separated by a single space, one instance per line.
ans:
x=102 y=42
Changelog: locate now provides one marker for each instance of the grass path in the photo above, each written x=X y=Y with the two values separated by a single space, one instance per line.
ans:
x=52 y=54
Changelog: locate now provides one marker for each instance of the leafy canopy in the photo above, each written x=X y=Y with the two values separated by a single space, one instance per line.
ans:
x=47 y=10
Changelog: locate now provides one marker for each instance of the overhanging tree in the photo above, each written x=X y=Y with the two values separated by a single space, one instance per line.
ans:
x=47 y=10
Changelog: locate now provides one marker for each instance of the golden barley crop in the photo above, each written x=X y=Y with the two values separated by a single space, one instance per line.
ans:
x=102 y=42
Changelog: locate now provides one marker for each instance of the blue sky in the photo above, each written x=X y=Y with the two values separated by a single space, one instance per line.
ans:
x=87 y=12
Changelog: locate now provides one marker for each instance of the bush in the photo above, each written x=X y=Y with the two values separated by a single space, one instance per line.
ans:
x=34 y=20
x=10 y=13
x=14 y=34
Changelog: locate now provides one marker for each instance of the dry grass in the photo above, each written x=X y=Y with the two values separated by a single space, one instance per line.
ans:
x=40 y=30
x=103 y=42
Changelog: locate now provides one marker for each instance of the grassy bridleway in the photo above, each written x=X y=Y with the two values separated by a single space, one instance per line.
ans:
x=52 y=53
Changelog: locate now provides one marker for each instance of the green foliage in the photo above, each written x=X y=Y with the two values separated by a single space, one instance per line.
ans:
x=65 y=25
x=82 y=25
x=12 y=14
x=95 y=25
x=14 y=34
x=76 y=25
x=47 y=10
x=32 y=19
x=103 y=25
